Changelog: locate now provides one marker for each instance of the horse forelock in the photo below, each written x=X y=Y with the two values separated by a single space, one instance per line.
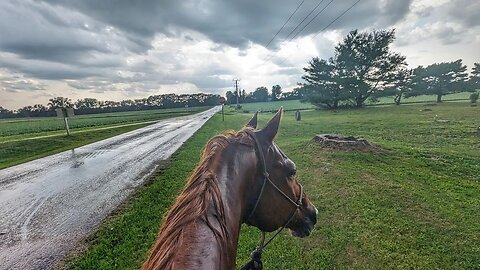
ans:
x=192 y=205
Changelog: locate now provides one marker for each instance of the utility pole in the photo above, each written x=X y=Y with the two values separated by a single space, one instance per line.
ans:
x=236 y=89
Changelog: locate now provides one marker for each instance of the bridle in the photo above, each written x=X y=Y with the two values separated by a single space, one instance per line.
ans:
x=256 y=256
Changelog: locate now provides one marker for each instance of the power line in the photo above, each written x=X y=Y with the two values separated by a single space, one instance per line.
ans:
x=281 y=28
x=304 y=18
x=312 y=19
x=338 y=17
x=296 y=27
x=328 y=25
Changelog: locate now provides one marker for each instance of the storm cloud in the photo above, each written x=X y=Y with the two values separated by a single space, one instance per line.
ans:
x=133 y=46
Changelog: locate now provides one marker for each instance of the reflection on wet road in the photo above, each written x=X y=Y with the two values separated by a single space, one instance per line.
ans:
x=48 y=205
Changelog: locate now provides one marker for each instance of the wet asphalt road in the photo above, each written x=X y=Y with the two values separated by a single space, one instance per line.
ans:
x=48 y=205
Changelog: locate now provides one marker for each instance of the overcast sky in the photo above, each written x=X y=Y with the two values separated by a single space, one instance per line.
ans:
x=119 y=49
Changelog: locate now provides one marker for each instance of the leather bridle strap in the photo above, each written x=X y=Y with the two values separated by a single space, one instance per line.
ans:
x=266 y=178
x=256 y=256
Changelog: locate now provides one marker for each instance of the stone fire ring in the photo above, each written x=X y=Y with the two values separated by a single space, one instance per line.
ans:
x=345 y=143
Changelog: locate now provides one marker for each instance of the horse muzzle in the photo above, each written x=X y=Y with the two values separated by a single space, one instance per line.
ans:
x=307 y=223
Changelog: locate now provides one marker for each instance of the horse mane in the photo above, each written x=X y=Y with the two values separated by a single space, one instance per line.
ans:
x=192 y=205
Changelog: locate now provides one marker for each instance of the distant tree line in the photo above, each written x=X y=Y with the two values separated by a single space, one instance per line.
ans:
x=261 y=94
x=92 y=105
x=364 y=67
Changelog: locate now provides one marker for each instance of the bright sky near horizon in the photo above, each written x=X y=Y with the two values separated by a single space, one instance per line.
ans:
x=119 y=49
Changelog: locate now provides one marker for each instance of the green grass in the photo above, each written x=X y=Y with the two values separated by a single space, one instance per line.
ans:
x=415 y=206
x=290 y=105
x=26 y=139
x=423 y=98
x=273 y=106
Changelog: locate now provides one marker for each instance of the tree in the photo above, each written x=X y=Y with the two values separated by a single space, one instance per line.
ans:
x=230 y=97
x=260 y=94
x=363 y=65
x=4 y=113
x=243 y=95
x=401 y=85
x=440 y=79
x=87 y=103
x=474 y=98
x=111 y=104
x=474 y=80
x=323 y=87
x=276 y=92
x=366 y=64
x=59 y=102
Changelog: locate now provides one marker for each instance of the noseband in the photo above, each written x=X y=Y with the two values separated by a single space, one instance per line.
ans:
x=256 y=256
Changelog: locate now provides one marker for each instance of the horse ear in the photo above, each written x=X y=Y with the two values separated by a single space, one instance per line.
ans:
x=253 y=122
x=270 y=131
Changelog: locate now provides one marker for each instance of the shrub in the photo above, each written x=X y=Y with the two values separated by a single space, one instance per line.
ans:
x=474 y=97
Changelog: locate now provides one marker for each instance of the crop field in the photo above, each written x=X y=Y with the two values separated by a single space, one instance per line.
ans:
x=24 y=139
x=414 y=206
x=26 y=127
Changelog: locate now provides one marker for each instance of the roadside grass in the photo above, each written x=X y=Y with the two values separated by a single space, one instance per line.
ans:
x=26 y=142
x=415 y=206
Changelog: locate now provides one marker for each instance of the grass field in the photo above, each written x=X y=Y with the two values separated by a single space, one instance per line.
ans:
x=424 y=98
x=415 y=206
x=25 y=139
x=273 y=105
x=297 y=105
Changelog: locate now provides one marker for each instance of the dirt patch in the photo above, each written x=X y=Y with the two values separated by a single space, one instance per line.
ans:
x=346 y=143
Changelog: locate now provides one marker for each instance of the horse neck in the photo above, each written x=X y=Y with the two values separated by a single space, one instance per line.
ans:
x=235 y=179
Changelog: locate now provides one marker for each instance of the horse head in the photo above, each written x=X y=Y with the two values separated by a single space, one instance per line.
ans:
x=277 y=198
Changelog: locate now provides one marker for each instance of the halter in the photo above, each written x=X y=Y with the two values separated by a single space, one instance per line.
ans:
x=256 y=257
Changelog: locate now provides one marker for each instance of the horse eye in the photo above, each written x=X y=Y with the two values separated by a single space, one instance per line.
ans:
x=292 y=172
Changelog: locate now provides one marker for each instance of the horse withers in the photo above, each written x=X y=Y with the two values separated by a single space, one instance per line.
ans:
x=242 y=177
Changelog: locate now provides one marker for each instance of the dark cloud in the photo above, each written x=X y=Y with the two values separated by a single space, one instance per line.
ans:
x=234 y=23
x=44 y=70
x=465 y=11
x=16 y=85
x=103 y=45
x=76 y=39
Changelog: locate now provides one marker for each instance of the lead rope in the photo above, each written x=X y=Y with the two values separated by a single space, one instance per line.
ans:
x=255 y=262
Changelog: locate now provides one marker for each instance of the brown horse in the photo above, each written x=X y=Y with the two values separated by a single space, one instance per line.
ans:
x=243 y=177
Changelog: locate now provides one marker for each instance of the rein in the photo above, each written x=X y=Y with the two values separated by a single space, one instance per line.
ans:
x=256 y=256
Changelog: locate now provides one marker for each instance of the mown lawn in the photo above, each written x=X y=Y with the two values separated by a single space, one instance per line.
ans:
x=424 y=98
x=415 y=206
x=272 y=106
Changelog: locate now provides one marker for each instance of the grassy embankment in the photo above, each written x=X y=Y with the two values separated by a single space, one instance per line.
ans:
x=414 y=207
x=24 y=139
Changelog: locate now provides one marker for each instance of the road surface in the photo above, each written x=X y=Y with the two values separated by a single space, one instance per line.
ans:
x=47 y=206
